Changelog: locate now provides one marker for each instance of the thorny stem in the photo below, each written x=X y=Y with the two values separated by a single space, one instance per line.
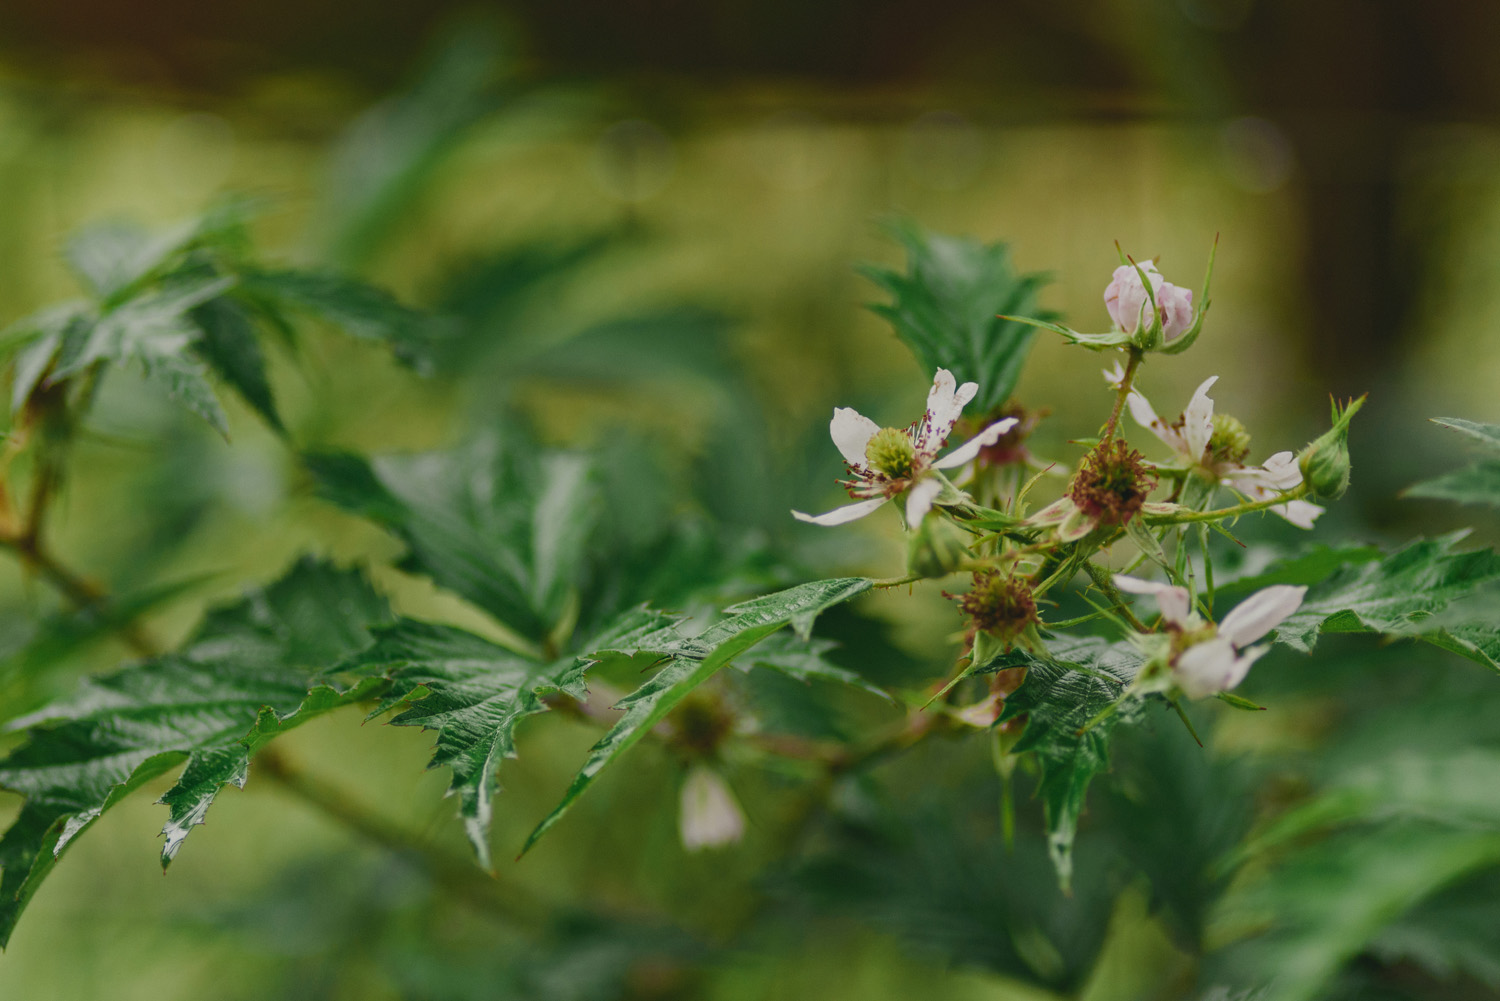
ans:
x=1124 y=391
x=1105 y=582
x=1227 y=512
x=460 y=877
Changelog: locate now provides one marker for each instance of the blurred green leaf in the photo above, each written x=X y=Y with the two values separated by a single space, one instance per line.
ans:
x=946 y=309
x=805 y=661
x=1478 y=483
x=358 y=309
x=693 y=661
x=1309 y=565
x=1325 y=904
x=228 y=342
x=112 y=257
x=474 y=692
x=491 y=520
x=1062 y=693
x=1456 y=931
x=249 y=671
x=37 y=340
x=1488 y=435
x=384 y=161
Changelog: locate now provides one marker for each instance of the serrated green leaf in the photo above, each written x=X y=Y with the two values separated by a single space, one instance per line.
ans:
x=1063 y=693
x=1475 y=484
x=692 y=662
x=1394 y=596
x=1311 y=565
x=358 y=309
x=203 y=705
x=474 y=692
x=805 y=661
x=227 y=341
x=1487 y=435
x=185 y=381
x=494 y=522
x=947 y=307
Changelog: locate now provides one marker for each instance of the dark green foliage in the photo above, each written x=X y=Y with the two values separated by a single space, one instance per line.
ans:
x=474 y=692
x=503 y=526
x=251 y=670
x=947 y=307
x=694 y=660
x=1398 y=596
x=1063 y=693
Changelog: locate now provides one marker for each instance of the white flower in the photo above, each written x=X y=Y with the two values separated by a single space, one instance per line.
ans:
x=1215 y=449
x=709 y=816
x=1128 y=304
x=886 y=462
x=1205 y=659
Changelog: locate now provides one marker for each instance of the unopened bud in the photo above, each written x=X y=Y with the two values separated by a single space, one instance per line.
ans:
x=1325 y=462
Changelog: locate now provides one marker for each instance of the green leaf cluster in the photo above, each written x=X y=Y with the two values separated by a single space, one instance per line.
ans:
x=948 y=305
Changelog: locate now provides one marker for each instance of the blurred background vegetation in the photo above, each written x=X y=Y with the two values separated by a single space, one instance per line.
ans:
x=636 y=223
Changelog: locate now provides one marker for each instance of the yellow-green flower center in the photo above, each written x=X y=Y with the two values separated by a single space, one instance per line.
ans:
x=891 y=453
x=1229 y=442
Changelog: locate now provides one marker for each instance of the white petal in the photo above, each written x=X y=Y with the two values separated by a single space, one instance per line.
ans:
x=1208 y=668
x=1260 y=613
x=1299 y=512
x=945 y=402
x=709 y=816
x=1076 y=526
x=1055 y=513
x=970 y=448
x=842 y=515
x=1175 y=603
x=919 y=500
x=1198 y=419
x=851 y=432
x=1145 y=416
x=1282 y=470
x=1115 y=376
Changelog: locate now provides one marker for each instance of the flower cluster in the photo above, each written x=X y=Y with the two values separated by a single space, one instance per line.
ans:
x=1015 y=552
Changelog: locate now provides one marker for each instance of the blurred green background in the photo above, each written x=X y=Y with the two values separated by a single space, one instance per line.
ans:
x=640 y=220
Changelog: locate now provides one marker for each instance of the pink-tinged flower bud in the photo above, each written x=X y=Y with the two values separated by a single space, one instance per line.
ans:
x=1125 y=296
x=1130 y=307
x=1176 y=305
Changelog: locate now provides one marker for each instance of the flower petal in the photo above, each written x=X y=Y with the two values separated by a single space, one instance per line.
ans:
x=842 y=515
x=851 y=432
x=709 y=817
x=1175 y=602
x=919 y=500
x=969 y=449
x=1299 y=512
x=1055 y=513
x=945 y=402
x=1210 y=667
x=1145 y=416
x=1114 y=376
x=1198 y=420
x=1260 y=613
